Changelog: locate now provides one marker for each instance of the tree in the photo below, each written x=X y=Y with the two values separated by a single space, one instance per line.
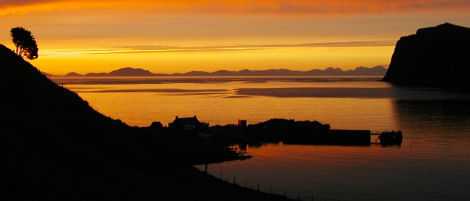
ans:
x=25 y=43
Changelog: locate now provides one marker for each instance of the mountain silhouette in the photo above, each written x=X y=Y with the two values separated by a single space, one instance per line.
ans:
x=128 y=71
x=434 y=56
x=72 y=74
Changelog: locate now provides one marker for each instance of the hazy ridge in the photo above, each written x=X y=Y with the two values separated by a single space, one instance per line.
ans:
x=129 y=71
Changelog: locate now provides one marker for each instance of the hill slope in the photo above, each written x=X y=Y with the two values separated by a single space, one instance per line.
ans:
x=55 y=147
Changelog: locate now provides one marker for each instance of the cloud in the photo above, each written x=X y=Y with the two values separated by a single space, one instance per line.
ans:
x=323 y=44
x=20 y=2
x=162 y=49
x=230 y=7
x=216 y=48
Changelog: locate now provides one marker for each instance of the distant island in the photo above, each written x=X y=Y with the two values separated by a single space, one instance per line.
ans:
x=129 y=71
x=433 y=57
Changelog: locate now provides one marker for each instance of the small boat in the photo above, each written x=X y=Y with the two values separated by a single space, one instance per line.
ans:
x=391 y=138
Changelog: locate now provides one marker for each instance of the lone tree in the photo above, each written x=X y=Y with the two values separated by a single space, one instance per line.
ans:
x=25 y=43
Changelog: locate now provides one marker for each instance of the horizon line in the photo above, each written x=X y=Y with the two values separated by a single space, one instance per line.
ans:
x=233 y=71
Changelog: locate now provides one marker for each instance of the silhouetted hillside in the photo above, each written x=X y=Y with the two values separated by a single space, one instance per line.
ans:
x=435 y=56
x=378 y=70
x=55 y=147
x=130 y=72
x=127 y=71
x=73 y=74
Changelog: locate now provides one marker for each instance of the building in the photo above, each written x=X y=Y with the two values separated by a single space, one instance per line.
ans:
x=189 y=123
x=156 y=125
x=242 y=123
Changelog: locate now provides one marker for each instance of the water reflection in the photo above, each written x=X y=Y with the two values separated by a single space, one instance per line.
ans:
x=434 y=154
x=434 y=118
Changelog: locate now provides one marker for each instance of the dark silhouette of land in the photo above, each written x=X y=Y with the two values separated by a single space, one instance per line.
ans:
x=205 y=79
x=433 y=57
x=128 y=71
x=56 y=147
x=289 y=131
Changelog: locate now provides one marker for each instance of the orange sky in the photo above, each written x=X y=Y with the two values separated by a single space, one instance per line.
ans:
x=167 y=36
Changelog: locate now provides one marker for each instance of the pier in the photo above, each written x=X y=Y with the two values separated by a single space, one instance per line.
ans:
x=288 y=131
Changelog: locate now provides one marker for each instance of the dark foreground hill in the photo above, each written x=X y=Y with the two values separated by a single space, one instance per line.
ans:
x=55 y=147
x=435 y=56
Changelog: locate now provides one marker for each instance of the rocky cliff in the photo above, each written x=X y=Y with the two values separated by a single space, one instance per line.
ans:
x=435 y=57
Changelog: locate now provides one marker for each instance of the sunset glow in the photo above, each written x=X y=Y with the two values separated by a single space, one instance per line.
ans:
x=180 y=35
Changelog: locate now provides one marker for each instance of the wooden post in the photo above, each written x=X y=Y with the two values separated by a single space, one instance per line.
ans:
x=234 y=180
x=205 y=168
x=258 y=187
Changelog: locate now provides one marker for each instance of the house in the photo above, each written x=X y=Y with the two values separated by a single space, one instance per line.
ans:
x=156 y=125
x=189 y=123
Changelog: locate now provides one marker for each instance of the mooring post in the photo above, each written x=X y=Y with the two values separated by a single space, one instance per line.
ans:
x=234 y=178
x=258 y=187
x=205 y=168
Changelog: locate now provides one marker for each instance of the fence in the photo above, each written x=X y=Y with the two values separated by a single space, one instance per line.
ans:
x=263 y=188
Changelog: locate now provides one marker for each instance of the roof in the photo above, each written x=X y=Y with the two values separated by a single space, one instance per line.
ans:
x=187 y=120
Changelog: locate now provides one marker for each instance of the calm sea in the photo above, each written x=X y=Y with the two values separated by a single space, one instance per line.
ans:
x=433 y=162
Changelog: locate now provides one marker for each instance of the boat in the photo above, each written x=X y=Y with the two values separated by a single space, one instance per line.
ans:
x=391 y=138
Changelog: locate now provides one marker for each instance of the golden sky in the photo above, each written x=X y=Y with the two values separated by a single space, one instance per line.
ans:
x=167 y=36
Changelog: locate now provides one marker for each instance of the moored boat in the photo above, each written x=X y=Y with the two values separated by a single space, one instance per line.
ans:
x=391 y=138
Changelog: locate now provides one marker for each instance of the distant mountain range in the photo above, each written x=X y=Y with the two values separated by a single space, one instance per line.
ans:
x=128 y=71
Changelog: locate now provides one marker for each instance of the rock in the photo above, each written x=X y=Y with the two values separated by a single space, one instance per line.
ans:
x=433 y=57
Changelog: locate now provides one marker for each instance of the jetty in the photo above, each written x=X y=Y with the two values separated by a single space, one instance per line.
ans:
x=387 y=138
x=287 y=131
